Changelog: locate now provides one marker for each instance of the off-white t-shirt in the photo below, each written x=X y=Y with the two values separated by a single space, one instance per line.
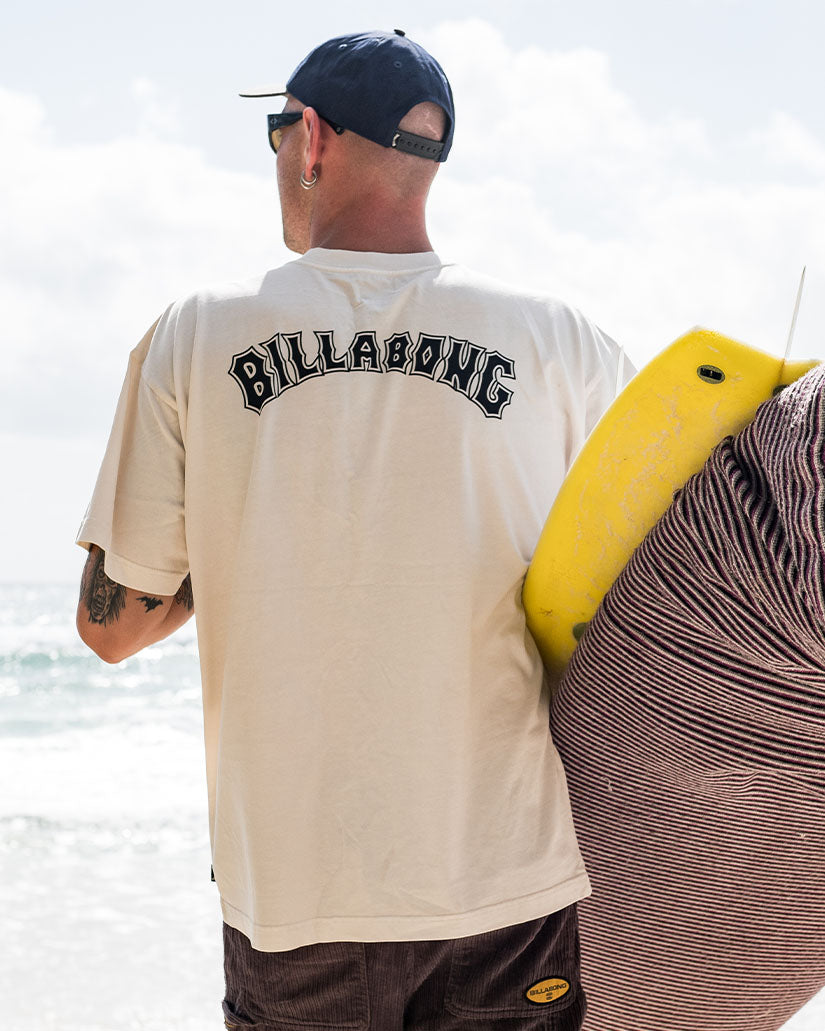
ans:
x=354 y=456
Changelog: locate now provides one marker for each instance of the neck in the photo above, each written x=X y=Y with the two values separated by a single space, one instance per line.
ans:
x=378 y=224
x=389 y=241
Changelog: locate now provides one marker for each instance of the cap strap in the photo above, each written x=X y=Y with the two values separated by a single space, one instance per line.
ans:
x=409 y=143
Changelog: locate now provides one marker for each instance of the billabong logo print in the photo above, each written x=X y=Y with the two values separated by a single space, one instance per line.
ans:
x=267 y=370
x=549 y=990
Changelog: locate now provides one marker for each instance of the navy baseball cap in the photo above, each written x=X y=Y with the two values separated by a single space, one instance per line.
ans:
x=366 y=83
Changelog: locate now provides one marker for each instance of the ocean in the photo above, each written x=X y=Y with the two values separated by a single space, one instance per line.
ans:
x=110 y=920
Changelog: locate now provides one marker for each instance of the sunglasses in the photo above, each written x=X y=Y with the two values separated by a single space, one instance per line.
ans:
x=277 y=123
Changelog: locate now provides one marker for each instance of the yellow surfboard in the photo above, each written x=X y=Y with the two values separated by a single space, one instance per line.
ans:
x=657 y=433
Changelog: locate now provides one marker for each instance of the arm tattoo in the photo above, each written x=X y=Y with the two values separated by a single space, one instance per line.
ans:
x=184 y=595
x=150 y=603
x=102 y=597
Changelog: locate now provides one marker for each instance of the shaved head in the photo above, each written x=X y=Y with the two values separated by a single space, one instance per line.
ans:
x=404 y=175
x=425 y=120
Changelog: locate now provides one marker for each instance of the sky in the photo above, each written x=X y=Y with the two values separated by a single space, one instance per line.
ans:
x=657 y=165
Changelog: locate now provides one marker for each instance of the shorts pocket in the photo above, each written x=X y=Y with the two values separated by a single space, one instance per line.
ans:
x=530 y=971
x=321 y=987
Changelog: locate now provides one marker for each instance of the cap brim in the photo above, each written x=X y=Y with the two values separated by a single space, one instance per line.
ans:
x=264 y=91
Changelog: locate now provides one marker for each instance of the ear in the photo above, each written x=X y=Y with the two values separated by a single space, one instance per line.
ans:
x=315 y=142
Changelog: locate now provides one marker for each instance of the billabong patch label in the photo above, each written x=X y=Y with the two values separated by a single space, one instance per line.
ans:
x=548 y=990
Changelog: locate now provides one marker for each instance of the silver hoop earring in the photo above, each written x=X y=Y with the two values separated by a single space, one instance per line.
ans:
x=309 y=183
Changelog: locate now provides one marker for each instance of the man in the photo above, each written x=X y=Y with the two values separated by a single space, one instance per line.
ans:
x=352 y=457
x=691 y=722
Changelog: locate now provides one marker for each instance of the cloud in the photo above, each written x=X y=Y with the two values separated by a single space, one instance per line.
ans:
x=47 y=481
x=557 y=181
x=787 y=143
x=539 y=108
x=97 y=240
x=649 y=225
x=157 y=116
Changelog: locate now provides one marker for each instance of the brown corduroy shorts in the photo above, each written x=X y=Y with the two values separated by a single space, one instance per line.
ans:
x=521 y=978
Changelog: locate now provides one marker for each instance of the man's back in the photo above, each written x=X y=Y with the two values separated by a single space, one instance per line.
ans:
x=369 y=444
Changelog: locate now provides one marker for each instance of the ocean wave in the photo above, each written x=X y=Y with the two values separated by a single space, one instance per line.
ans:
x=22 y=834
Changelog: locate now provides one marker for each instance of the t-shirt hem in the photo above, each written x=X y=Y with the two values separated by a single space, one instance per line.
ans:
x=285 y=937
x=126 y=572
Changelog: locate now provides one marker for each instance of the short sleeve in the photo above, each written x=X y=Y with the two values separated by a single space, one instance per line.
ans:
x=612 y=372
x=136 y=514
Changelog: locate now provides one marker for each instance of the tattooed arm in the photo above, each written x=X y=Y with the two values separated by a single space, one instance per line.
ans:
x=117 y=621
